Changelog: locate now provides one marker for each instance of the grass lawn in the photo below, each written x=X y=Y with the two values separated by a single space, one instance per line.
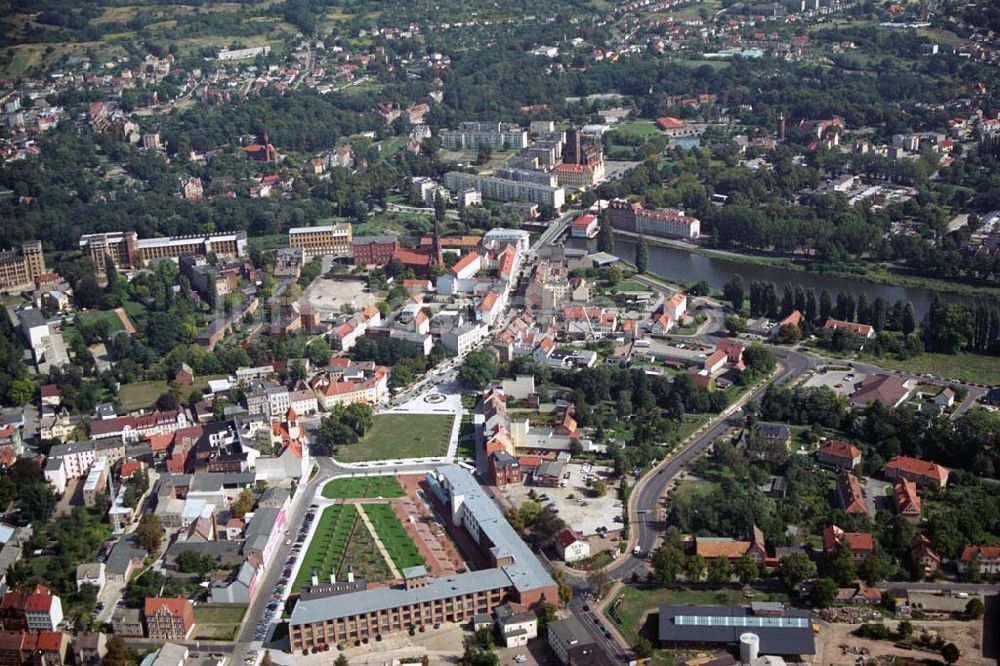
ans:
x=976 y=368
x=269 y=242
x=372 y=486
x=91 y=317
x=690 y=423
x=207 y=614
x=364 y=557
x=142 y=395
x=401 y=436
x=393 y=536
x=327 y=546
x=631 y=285
x=640 y=127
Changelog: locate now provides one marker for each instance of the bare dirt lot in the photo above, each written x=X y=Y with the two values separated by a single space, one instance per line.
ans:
x=329 y=296
x=575 y=503
x=966 y=635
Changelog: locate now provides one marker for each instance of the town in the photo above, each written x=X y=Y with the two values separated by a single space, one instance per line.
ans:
x=349 y=338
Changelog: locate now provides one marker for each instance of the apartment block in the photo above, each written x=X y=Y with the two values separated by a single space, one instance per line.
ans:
x=502 y=189
x=127 y=250
x=629 y=216
x=20 y=268
x=472 y=135
x=331 y=239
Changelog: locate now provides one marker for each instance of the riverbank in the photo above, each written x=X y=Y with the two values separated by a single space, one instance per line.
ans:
x=879 y=274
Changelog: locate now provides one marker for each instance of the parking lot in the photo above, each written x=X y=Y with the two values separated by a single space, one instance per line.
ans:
x=842 y=382
x=327 y=297
x=576 y=503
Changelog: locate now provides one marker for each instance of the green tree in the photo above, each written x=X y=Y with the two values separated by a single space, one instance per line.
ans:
x=191 y=561
x=606 y=237
x=735 y=324
x=668 y=563
x=641 y=255
x=904 y=629
x=600 y=488
x=694 y=567
x=975 y=608
x=478 y=369
x=795 y=568
x=643 y=648
x=484 y=154
x=950 y=653
x=149 y=532
x=823 y=593
x=21 y=391
x=118 y=653
x=243 y=503
x=734 y=292
x=342 y=661
x=747 y=570
x=719 y=571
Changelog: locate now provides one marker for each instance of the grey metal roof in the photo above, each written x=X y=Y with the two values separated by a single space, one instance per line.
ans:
x=526 y=573
x=787 y=633
x=369 y=601
x=570 y=631
x=414 y=572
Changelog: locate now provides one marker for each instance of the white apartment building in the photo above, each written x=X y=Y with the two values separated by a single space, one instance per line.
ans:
x=472 y=135
x=460 y=340
x=506 y=190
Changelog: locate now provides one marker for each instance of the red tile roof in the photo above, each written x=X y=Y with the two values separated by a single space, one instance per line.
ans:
x=907 y=499
x=172 y=605
x=917 y=467
x=839 y=449
x=984 y=552
x=668 y=123
x=568 y=537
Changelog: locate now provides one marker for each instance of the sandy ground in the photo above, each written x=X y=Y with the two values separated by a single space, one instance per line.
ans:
x=966 y=635
x=584 y=518
x=327 y=296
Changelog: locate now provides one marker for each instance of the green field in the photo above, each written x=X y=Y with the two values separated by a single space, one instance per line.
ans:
x=91 y=317
x=365 y=487
x=142 y=395
x=976 y=368
x=327 y=546
x=207 y=614
x=645 y=128
x=394 y=536
x=401 y=436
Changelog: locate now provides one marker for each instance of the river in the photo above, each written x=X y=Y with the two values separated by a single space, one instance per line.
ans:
x=677 y=264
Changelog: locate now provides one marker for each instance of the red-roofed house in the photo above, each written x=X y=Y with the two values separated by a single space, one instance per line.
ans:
x=38 y=610
x=715 y=362
x=669 y=124
x=850 y=497
x=794 y=319
x=836 y=453
x=921 y=472
x=988 y=558
x=572 y=545
x=861 y=544
x=662 y=324
x=168 y=618
x=907 y=500
x=133 y=428
x=860 y=593
x=864 y=330
x=676 y=305
x=923 y=555
x=584 y=226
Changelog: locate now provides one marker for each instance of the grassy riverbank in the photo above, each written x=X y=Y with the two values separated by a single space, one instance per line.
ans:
x=872 y=273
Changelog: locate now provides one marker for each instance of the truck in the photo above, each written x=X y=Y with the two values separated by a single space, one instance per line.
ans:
x=637 y=550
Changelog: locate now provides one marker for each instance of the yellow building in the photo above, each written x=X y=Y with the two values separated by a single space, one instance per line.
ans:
x=19 y=269
x=331 y=239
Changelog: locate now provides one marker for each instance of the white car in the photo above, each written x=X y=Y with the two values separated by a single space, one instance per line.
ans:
x=288 y=542
x=520 y=659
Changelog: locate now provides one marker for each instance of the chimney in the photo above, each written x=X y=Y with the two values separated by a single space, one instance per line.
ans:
x=315 y=578
x=350 y=573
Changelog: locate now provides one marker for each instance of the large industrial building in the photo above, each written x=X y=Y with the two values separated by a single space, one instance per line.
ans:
x=775 y=629
x=19 y=269
x=330 y=239
x=502 y=189
x=129 y=251
x=516 y=575
x=629 y=216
